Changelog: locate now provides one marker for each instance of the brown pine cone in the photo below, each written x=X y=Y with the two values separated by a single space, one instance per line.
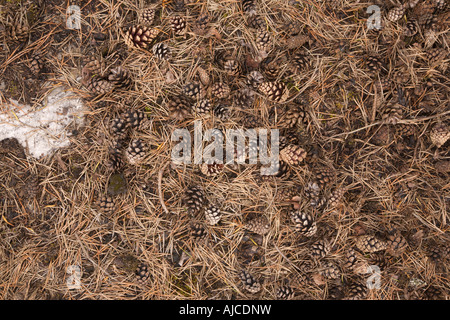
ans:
x=292 y=154
x=435 y=56
x=259 y=225
x=135 y=152
x=330 y=270
x=396 y=13
x=301 y=62
x=18 y=32
x=106 y=204
x=213 y=215
x=248 y=6
x=194 y=90
x=335 y=197
x=411 y=28
x=202 y=107
x=178 y=25
x=304 y=223
x=179 y=108
x=140 y=36
x=392 y=113
x=147 y=16
x=212 y=169
x=93 y=66
x=256 y=21
x=37 y=63
x=249 y=282
x=263 y=41
x=396 y=244
x=357 y=291
x=254 y=79
x=120 y=77
x=405 y=130
x=320 y=249
x=439 y=134
x=142 y=273
x=198 y=231
x=118 y=128
x=244 y=98
x=115 y=159
x=275 y=91
x=324 y=177
x=368 y=243
x=162 y=51
x=220 y=90
x=375 y=64
x=97 y=85
x=285 y=293
x=194 y=199
x=294 y=116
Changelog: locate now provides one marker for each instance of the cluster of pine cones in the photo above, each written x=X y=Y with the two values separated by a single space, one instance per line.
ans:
x=239 y=83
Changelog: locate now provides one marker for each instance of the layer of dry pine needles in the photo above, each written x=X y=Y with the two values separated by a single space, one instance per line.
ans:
x=371 y=110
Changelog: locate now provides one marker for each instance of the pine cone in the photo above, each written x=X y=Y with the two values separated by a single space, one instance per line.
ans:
x=161 y=51
x=256 y=21
x=198 y=231
x=179 y=108
x=140 y=36
x=202 y=107
x=411 y=28
x=211 y=169
x=134 y=119
x=263 y=41
x=275 y=91
x=396 y=13
x=435 y=56
x=120 y=77
x=37 y=63
x=288 y=138
x=106 y=204
x=244 y=98
x=254 y=79
x=285 y=293
x=392 y=113
x=282 y=172
x=351 y=258
x=222 y=112
x=319 y=249
x=292 y=28
x=97 y=85
x=368 y=243
x=357 y=291
x=304 y=223
x=178 y=25
x=135 y=152
x=18 y=33
x=115 y=160
x=194 y=90
x=439 y=134
x=300 y=61
x=147 y=16
x=259 y=225
x=270 y=68
x=202 y=23
x=293 y=154
x=404 y=130
x=118 y=128
x=220 y=90
x=93 y=66
x=142 y=273
x=330 y=270
x=312 y=191
x=324 y=177
x=396 y=244
x=374 y=64
x=249 y=282
x=194 y=199
x=335 y=197
x=213 y=215
x=294 y=116
x=432 y=293
x=232 y=67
